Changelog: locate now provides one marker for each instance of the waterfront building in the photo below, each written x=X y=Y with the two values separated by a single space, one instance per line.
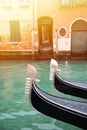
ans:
x=36 y=25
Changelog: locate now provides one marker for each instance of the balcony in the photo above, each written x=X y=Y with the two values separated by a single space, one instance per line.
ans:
x=73 y=3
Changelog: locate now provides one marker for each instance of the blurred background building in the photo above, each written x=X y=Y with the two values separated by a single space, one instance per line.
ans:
x=41 y=25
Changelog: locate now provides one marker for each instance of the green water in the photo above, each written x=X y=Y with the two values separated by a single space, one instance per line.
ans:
x=16 y=112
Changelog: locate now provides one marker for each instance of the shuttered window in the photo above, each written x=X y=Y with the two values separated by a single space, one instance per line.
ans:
x=14 y=31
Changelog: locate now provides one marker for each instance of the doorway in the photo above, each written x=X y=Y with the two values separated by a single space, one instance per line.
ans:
x=79 y=37
x=45 y=33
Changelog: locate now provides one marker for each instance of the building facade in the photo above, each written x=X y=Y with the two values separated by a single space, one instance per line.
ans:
x=26 y=25
x=16 y=24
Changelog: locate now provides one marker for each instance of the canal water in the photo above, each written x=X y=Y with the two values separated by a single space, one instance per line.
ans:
x=16 y=111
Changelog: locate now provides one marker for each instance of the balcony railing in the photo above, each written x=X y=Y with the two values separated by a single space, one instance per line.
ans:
x=73 y=3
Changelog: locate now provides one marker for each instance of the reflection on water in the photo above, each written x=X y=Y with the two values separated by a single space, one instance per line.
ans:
x=16 y=112
x=47 y=126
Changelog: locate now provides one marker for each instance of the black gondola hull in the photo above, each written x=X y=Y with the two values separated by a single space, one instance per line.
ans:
x=45 y=105
x=67 y=88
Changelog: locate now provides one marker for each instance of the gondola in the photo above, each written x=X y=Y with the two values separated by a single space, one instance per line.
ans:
x=67 y=86
x=67 y=110
x=70 y=87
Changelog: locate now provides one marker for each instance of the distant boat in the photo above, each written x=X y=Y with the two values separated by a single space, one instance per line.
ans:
x=67 y=86
x=67 y=110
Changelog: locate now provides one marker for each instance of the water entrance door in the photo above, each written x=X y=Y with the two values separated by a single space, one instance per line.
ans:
x=45 y=32
x=79 y=37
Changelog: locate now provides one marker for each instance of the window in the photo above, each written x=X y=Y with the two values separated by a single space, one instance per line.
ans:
x=14 y=31
x=44 y=0
x=24 y=3
x=6 y=3
x=65 y=1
